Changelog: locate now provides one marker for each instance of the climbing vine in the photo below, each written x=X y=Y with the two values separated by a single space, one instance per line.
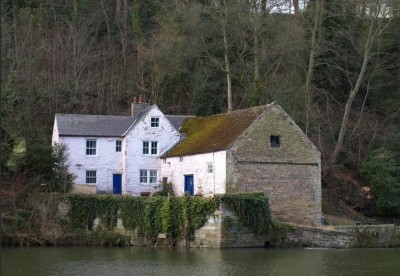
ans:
x=175 y=216
x=252 y=211
x=178 y=217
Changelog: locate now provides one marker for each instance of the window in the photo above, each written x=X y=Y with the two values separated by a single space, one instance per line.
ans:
x=153 y=176
x=90 y=147
x=118 y=145
x=145 y=147
x=180 y=158
x=154 y=148
x=90 y=177
x=275 y=141
x=155 y=122
x=150 y=147
x=148 y=176
x=210 y=168
x=143 y=176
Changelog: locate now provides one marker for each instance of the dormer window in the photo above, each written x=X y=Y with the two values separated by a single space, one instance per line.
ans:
x=275 y=141
x=155 y=122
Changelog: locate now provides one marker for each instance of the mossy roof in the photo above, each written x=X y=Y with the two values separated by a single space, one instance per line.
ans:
x=214 y=133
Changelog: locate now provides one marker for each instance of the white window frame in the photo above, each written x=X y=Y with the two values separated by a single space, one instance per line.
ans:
x=90 y=149
x=155 y=122
x=146 y=148
x=150 y=148
x=210 y=167
x=118 y=145
x=180 y=158
x=91 y=177
x=154 y=148
x=148 y=176
x=143 y=176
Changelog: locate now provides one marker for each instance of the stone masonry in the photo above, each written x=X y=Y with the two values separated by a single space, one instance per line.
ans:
x=289 y=175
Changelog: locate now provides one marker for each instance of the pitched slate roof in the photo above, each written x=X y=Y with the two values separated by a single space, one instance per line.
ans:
x=93 y=125
x=103 y=125
x=214 y=133
x=177 y=120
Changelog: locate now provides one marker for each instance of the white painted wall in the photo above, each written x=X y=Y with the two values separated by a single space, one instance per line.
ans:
x=166 y=136
x=205 y=183
x=107 y=161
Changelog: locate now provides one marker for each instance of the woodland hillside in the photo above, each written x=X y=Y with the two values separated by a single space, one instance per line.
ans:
x=334 y=66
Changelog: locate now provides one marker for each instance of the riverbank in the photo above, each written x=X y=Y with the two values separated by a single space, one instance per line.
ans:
x=175 y=222
x=222 y=230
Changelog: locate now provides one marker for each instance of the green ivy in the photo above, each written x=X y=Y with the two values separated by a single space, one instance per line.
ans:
x=132 y=212
x=252 y=211
x=83 y=210
x=176 y=216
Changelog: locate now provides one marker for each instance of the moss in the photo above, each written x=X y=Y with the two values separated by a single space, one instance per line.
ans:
x=215 y=133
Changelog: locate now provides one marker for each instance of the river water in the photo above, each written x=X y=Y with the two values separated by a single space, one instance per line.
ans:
x=150 y=261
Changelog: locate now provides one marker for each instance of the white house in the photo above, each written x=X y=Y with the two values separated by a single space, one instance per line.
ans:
x=259 y=149
x=117 y=154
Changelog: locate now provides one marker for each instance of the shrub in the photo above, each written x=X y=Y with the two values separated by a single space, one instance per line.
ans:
x=381 y=172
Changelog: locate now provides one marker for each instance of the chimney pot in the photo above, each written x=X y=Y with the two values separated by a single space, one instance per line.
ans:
x=134 y=99
x=140 y=98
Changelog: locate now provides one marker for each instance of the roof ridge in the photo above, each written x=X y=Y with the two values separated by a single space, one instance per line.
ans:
x=180 y=115
x=239 y=110
x=92 y=115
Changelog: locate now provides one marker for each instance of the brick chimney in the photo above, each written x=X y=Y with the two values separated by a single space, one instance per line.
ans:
x=137 y=107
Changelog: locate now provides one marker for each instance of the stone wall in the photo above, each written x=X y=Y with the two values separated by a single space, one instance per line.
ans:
x=84 y=188
x=223 y=230
x=377 y=236
x=289 y=175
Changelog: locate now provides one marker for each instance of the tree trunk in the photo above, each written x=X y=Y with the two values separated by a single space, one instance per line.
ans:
x=296 y=7
x=373 y=33
x=353 y=93
x=226 y=51
x=311 y=62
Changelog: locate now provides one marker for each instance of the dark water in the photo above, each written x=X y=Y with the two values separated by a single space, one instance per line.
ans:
x=149 y=261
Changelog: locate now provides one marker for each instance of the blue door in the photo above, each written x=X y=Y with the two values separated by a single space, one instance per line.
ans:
x=117 y=183
x=189 y=187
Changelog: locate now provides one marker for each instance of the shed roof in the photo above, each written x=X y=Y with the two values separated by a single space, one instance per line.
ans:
x=214 y=133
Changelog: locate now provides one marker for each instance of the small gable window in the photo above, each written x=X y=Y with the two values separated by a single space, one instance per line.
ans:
x=118 y=145
x=180 y=158
x=155 y=122
x=275 y=141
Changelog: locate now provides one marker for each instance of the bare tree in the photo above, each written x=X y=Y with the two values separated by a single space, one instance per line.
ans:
x=378 y=20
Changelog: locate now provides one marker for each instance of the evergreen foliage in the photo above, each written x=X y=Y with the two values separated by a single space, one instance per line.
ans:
x=176 y=216
x=252 y=211
x=381 y=171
